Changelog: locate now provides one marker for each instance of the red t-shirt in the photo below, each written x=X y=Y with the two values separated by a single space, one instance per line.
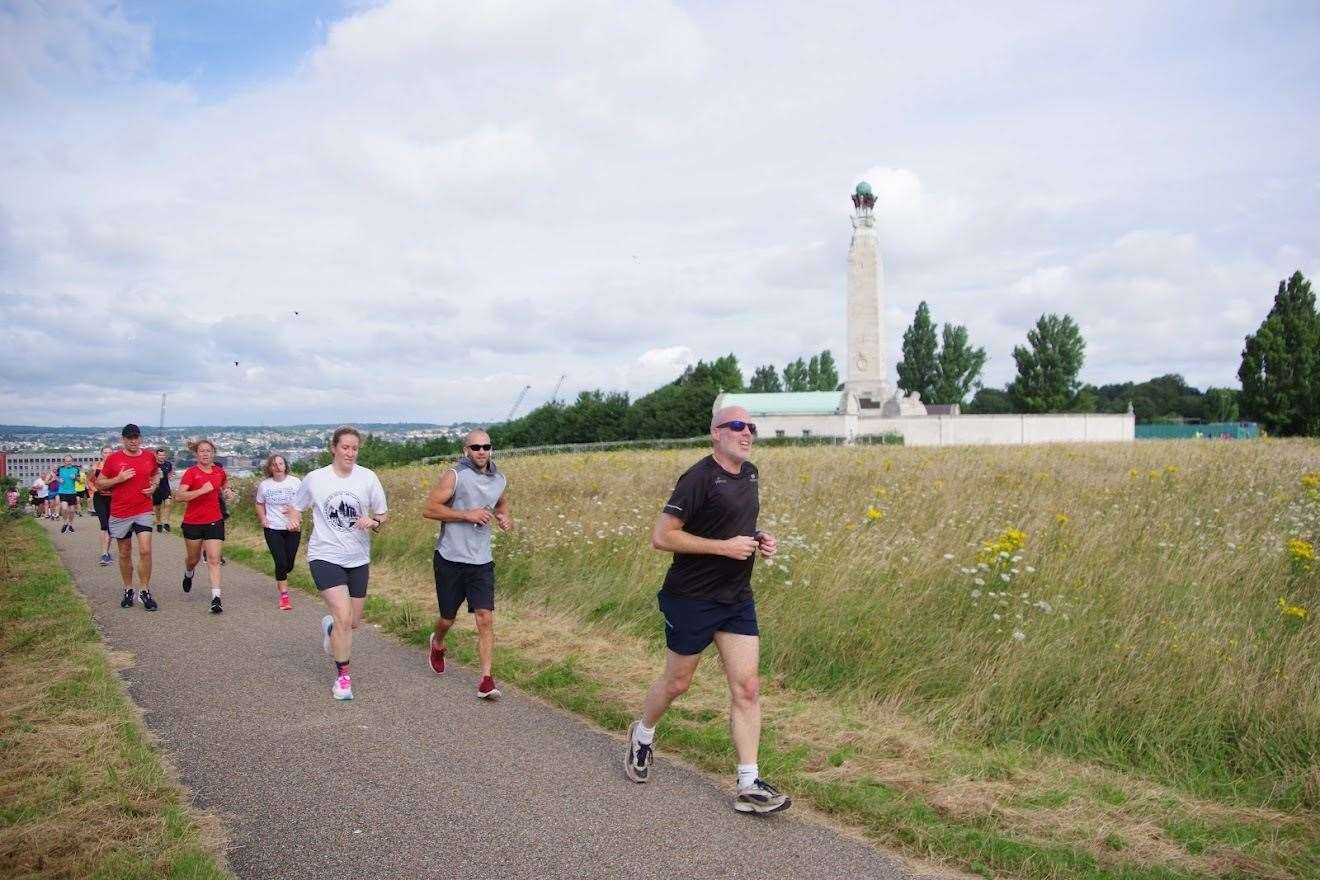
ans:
x=126 y=498
x=203 y=509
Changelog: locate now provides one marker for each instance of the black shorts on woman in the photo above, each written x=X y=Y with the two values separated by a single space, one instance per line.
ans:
x=328 y=575
x=101 y=504
x=204 y=531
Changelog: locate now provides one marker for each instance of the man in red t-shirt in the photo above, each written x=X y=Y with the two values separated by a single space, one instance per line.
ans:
x=131 y=476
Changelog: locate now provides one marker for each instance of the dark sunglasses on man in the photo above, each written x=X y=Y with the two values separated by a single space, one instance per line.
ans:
x=737 y=425
x=485 y=447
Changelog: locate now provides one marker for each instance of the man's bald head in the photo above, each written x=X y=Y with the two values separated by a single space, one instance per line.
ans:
x=479 y=457
x=730 y=445
x=728 y=414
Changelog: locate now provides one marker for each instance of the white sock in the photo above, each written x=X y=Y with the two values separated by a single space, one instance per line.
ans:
x=190 y=572
x=645 y=735
x=215 y=594
x=747 y=774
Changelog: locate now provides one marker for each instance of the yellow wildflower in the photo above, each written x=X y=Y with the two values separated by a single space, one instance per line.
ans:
x=1301 y=552
x=1311 y=482
x=1170 y=469
x=1062 y=518
x=1289 y=610
x=873 y=513
x=994 y=551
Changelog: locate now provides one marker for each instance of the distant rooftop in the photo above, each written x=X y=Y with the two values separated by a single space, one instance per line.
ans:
x=788 y=403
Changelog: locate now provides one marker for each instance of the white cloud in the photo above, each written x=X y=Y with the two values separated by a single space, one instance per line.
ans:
x=460 y=200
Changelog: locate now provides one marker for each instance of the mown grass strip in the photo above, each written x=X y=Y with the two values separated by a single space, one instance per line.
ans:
x=83 y=792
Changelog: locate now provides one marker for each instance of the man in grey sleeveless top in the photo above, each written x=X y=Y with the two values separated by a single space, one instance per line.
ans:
x=467 y=500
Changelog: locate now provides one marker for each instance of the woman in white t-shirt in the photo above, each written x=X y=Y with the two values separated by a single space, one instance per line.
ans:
x=348 y=503
x=280 y=522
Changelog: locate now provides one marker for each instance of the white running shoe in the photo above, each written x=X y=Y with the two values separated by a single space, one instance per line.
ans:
x=327 y=623
x=760 y=797
x=343 y=689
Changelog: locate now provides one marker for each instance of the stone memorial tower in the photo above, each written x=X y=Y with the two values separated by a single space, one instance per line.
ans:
x=866 y=370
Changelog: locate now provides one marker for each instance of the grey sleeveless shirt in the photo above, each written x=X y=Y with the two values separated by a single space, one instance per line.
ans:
x=473 y=489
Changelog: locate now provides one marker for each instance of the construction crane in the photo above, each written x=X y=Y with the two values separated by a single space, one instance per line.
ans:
x=162 y=418
x=517 y=403
x=554 y=398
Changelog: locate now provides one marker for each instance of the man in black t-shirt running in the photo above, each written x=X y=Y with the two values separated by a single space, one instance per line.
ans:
x=709 y=525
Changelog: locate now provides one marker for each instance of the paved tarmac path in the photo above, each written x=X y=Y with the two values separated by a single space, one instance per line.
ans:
x=415 y=777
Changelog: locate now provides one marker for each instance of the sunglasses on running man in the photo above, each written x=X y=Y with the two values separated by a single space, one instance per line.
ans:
x=479 y=447
x=737 y=425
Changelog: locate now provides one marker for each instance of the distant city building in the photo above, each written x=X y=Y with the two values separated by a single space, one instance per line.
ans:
x=25 y=467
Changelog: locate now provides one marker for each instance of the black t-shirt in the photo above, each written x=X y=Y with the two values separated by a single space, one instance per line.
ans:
x=163 y=488
x=713 y=503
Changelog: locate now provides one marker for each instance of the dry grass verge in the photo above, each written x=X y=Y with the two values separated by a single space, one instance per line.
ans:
x=1118 y=692
x=83 y=791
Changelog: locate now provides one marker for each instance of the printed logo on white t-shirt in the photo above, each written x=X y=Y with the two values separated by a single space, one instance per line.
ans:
x=342 y=510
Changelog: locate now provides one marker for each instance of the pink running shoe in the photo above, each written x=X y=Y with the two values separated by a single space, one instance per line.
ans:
x=343 y=689
x=285 y=604
x=437 y=658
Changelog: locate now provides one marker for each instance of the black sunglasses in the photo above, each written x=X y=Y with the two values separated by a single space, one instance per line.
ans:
x=737 y=425
x=483 y=447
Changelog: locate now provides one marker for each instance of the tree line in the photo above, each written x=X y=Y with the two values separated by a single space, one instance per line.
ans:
x=680 y=408
x=1279 y=372
x=1280 y=375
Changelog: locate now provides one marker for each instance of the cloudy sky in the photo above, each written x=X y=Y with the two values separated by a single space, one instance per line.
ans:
x=408 y=210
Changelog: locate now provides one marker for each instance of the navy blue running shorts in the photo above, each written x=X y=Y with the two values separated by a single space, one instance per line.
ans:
x=691 y=624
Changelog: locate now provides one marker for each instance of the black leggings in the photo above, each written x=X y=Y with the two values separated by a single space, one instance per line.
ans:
x=283 y=546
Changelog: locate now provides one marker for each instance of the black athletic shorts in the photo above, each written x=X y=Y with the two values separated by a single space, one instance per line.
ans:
x=456 y=581
x=204 y=531
x=101 y=504
x=691 y=624
x=70 y=499
x=327 y=575
x=82 y=493
x=161 y=495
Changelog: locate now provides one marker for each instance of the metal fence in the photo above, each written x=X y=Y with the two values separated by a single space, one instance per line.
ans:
x=683 y=443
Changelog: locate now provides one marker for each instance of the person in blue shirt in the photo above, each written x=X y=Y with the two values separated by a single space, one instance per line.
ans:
x=67 y=475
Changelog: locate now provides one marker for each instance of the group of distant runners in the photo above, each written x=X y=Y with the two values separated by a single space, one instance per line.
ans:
x=708 y=524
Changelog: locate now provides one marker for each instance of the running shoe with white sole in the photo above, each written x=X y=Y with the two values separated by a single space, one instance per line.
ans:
x=327 y=624
x=487 y=690
x=437 y=658
x=127 y=601
x=638 y=763
x=216 y=607
x=343 y=689
x=105 y=559
x=285 y=604
x=148 y=603
x=760 y=797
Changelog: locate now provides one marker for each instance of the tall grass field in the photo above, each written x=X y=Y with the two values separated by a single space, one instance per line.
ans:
x=1064 y=660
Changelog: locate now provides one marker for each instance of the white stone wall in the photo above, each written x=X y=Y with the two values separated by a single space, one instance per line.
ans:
x=960 y=430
